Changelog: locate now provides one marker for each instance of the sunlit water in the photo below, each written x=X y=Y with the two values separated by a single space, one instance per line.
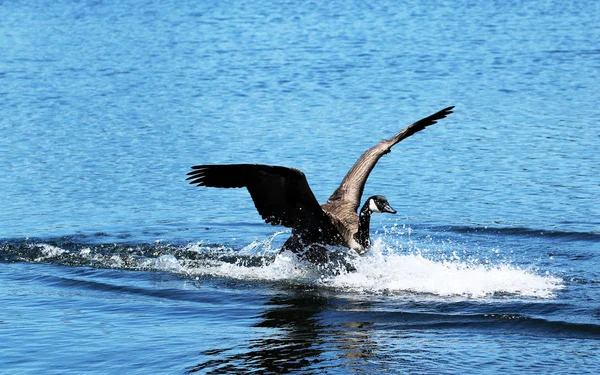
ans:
x=112 y=263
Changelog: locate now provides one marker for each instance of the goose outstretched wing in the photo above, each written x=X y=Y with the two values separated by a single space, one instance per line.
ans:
x=281 y=195
x=347 y=196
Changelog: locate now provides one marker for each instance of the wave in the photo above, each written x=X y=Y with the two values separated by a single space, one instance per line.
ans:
x=386 y=269
x=524 y=232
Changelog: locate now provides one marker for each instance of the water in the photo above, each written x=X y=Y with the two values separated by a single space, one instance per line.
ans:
x=112 y=263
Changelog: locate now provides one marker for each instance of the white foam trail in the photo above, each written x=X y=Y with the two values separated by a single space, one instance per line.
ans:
x=414 y=273
x=398 y=269
x=49 y=251
x=382 y=271
x=166 y=262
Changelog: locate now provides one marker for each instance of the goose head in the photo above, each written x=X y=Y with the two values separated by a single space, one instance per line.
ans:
x=379 y=203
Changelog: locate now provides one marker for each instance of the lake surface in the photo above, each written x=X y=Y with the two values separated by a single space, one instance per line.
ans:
x=111 y=263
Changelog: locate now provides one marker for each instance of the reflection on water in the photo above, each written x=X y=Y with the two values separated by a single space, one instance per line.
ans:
x=298 y=339
x=310 y=330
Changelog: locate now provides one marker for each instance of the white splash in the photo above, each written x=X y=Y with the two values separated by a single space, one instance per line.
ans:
x=165 y=262
x=49 y=251
x=390 y=267
x=414 y=273
x=381 y=271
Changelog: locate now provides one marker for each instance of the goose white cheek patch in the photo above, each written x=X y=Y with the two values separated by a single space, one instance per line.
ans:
x=373 y=207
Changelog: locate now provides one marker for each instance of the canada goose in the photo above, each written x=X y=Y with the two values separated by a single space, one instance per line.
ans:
x=282 y=197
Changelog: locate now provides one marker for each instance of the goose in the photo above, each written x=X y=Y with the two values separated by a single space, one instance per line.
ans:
x=282 y=196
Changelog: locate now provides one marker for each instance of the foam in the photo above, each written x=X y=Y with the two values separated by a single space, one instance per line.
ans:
x=417 y=274
x=49 y=251
x=166 y=262
x=390 y=267
x=382 y=271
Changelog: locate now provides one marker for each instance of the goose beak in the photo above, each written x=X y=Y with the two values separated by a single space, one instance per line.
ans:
x=388 y=208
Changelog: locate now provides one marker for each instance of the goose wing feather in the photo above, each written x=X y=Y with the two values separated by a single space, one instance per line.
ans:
x=347 y=196
x=281 y=195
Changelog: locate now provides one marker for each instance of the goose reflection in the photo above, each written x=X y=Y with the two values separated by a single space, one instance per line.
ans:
x=298 y=330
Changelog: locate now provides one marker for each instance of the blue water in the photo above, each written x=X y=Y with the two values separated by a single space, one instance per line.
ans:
x=111 y=263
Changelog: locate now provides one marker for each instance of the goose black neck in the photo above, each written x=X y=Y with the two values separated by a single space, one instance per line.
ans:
x=364 y=224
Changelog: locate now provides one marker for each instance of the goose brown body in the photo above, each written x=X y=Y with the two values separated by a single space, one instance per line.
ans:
x=282 y=195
